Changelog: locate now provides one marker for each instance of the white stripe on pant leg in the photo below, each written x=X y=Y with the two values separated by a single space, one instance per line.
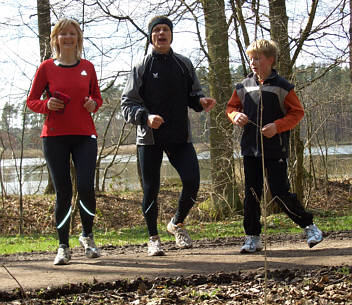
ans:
x=65 y=219
x=84 y=208
x=146 y=211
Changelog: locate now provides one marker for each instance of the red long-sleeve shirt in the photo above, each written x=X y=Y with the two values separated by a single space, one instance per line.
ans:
x=77 y=81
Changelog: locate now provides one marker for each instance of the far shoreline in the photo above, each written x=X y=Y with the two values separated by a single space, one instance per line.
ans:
x=126 y=149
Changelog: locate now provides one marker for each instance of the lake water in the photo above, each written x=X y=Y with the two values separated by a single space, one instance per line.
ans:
x=123 y=174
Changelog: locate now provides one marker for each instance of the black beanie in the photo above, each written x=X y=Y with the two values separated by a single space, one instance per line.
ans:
x=159 y=20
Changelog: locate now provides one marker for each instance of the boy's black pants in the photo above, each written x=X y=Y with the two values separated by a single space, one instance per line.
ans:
x=276 y=170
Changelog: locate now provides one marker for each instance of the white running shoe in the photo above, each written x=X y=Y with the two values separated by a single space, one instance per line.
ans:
x=63 y=255
x=314 y=235
x=154 y=246
x=181 y=236
x=252 y=244
x=89 y=246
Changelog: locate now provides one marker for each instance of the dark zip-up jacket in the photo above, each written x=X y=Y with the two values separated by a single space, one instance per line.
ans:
x=166 y=85
x=280 y=106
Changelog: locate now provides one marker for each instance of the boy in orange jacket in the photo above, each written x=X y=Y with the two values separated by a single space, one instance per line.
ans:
x=267 y=107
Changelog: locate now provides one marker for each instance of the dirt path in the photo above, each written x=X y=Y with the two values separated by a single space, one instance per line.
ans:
x=34 y=271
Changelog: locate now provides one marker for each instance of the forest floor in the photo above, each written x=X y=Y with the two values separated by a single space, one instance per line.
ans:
x=212 y=272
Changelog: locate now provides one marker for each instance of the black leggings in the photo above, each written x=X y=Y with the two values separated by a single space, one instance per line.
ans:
x=57 y=151
x=184 y=159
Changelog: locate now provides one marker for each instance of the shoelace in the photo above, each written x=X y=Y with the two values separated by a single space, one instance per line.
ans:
x=249 y=241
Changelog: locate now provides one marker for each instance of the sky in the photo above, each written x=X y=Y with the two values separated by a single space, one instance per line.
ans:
x=19 y=56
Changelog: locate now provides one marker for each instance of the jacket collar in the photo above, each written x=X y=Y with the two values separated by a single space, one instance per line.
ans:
x=159 y=55
x=272 y=75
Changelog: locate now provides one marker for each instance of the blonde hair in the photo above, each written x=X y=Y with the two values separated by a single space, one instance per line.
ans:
x=59 y=26
x=267 y=47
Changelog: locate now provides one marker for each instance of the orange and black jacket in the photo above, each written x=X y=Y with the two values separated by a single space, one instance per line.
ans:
x=275 y=101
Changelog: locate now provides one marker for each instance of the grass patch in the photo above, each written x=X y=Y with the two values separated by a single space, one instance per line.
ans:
x=33 y=243
x=278 y=223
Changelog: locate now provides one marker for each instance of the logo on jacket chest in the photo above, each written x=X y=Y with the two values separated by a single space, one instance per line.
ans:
x=155 y=75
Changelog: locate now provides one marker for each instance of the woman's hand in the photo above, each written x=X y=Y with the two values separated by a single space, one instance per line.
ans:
x=89 y=104
x=54 y=104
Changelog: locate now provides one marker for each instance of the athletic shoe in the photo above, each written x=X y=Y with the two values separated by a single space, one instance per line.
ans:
x=63 y=255
x=314 y=235
x=252 y=244
x=154 y=246
x=89 y=246
x=181 y=236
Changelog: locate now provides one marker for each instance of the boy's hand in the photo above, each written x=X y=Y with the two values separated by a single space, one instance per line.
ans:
x=240 y=119
x=269 y=130
x=207 y=103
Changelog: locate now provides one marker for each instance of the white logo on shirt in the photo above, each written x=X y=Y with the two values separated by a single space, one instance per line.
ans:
x=84 y=73
x=156 y=75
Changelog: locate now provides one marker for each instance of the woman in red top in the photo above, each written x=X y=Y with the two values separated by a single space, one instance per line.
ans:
x=72 y=94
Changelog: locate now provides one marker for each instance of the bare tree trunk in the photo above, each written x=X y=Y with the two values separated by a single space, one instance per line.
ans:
x=324 y=157
x=75 y=197
x=102 y=148
x=310 y=156
x=238 y=17
x=18 y=168
x=120 y=140
x=44 y=30
x=225 y=194
x=279 y=33
x=50 y=186
x=3 y=191
x=350 y=46
x=20 y=176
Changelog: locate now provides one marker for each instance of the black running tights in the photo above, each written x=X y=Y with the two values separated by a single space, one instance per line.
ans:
x=57 y=152
x=184 y=159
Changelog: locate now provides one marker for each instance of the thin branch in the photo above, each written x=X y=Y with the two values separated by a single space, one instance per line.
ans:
x=24 y=295
x=306 y=32
x=198 y=30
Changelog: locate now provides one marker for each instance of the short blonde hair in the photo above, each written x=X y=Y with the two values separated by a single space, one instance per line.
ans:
x=59 y=26
x=267 y=47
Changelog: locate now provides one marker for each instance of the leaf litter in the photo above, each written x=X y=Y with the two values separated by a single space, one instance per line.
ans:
x=325 y=285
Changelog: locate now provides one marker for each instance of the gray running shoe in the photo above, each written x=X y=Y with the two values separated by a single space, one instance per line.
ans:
x=314 y=235
x=252 y=244
x=154 y=246
x=63 y=255
x=89 y=246
x=181 y=236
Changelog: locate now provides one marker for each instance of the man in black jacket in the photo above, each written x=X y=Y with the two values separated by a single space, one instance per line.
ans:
x=156 y=99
